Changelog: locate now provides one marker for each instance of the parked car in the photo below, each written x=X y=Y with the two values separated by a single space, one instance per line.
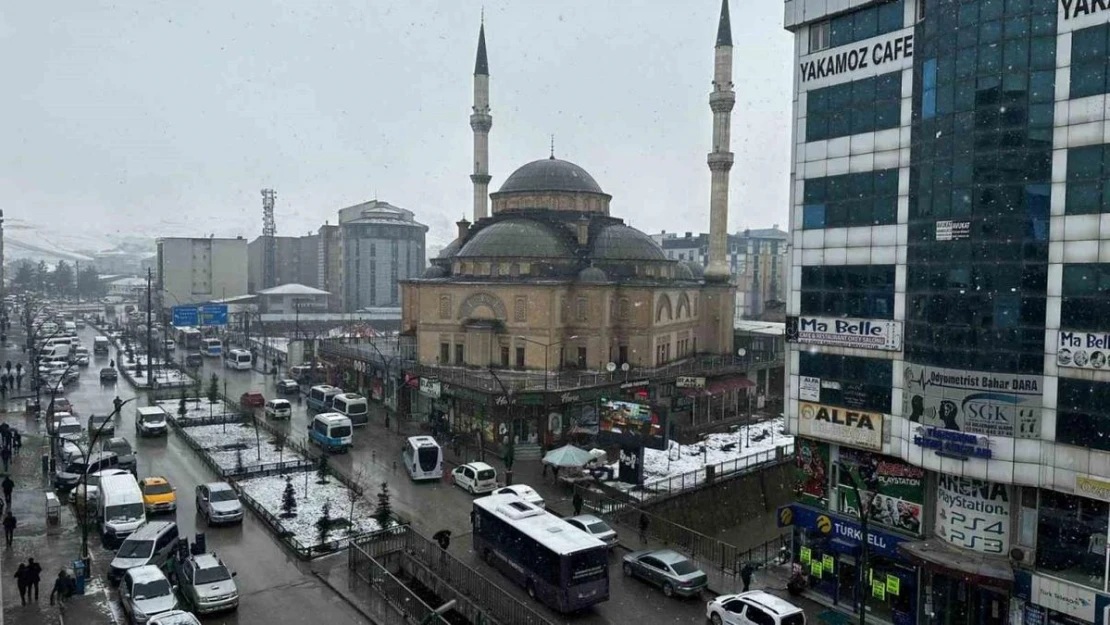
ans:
x=93 y=486
x=194 y=360
x=109 y=374
x=174 y=617
x=145 y=592
x=158 y=495
x=61 y=404
x=595 y=527
x=525 y=492
x=218 y=503
x=170 y=344
x=279 y=409
x=122 y=448
x=206 y=585
x=753 y=607
x=288 y=387
x=673 y=572
x=475 y=477
x=251 y=400
x=102 y=423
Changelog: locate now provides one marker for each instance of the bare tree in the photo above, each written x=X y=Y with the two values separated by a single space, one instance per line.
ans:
x=355 y=488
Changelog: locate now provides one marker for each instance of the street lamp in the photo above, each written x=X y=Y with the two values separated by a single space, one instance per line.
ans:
x=546 y=351
x=864 y=513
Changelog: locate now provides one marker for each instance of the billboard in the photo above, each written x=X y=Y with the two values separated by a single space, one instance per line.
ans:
x=213 y=315
x=841 y=425
x=975 y=402
x=185 y=316
x=1083 y=350
x=631 y=465
x=630 y=423
x=899 y=496
x=881 y=334
x=973 y=514
x=811 y=465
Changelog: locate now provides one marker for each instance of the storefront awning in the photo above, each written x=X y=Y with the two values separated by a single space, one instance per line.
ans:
x=980 y=568
x=719 y=386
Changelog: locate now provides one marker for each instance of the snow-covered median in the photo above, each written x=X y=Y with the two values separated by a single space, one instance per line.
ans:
x=194 y=409
x=232 y=443
x=267 y=492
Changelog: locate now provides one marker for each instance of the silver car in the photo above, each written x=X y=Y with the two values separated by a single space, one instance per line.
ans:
x=673 y=572
x=207 y=586
x=218 y=503
x=595 y=527
x=145 y=592
x=175 y=617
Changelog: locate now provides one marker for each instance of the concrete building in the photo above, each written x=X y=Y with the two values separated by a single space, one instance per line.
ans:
x=949 y=351
x=291 y=299
x=380 y=245
x=193 y=271
x=297 y=261
x=329 y=265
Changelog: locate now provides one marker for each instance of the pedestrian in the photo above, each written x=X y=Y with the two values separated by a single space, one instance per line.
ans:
x=63 y=588
x=9 y=528
x=34 y=574
x=555 y=474
x=22 y=580
x=544 y=470
x=17 y=440
x=644 y=522
x=5 y=434
x=746 y=575
x=112 y=364
x=7 y=486
x=577 y=502
x=6 y=456
x=19 y=381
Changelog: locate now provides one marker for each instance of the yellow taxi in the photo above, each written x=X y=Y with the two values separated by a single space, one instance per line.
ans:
x=158 y=495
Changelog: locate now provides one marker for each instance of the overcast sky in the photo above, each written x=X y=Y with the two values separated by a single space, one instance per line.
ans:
x=166 y=118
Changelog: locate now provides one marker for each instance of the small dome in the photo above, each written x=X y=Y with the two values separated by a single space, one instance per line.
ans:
x=451 y=249
x=683 y=272
x=435 y=271
x=592 y=275
x=621 y=242
x=515 y=238
x=695 y=268
x=550 y=174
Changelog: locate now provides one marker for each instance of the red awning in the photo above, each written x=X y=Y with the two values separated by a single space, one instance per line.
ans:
x=720 y=386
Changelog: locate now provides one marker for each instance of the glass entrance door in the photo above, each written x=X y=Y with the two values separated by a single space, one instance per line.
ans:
x=956 y=602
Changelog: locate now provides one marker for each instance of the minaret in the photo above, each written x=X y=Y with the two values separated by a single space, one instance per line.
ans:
x=480 y=123
x=721 y=101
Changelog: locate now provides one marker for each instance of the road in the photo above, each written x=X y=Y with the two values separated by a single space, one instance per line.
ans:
x=274 y=587
x=434 y=506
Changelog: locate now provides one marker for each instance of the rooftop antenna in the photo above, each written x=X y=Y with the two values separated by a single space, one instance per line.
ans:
x=269 y=230
x=552 y=157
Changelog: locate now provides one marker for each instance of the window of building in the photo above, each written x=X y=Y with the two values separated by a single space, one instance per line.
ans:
x=624 y=308
x=581 y=357
x=1085 y=291
x=622 y=354
x=870 y=22
x=662 y=353
x=445 y=353
x=505 y=356
x=866 y=199
x=459 y=360
x=581 y=309
x=850 y=381
x=929 y=89
x=519 y=357
x=520 y=308
x=1088 y=61
x=444 y=306
x=1071 y=538
x=1083 y=413
x=819 y=36
x=864 y=105
x=920 y=10
x=1088 y=188
x=514 y=270
x=865 y=291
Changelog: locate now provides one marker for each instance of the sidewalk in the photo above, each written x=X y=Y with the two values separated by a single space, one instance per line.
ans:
x=52 y=545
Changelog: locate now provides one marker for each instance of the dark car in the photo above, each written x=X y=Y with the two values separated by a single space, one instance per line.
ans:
x=288 y=387
x=251 y=400
x=194 y=360
x=108 y=374
x=673 y=572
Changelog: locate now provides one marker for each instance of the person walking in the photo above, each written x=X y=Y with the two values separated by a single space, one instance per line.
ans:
x=5 y=434
x=6 y=456
x=7 y=486
x=34 y=574
x=23 y=581
x=746 y=575
x=576 y=501
x=63 y=588
x=17 y=440
x=644 y=522
x=9 y=528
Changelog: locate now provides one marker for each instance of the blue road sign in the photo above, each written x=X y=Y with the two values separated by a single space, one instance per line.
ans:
x=213 y=315
x=185 y=316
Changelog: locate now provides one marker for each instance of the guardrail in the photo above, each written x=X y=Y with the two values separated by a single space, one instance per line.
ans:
x=408 y=603
x=668 y=486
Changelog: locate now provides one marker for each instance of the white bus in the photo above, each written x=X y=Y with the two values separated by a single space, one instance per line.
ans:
x=238 y=359
x=562 y=566
x=353 y=406
x=212 y=347
x=423 y=458
x=320 y=396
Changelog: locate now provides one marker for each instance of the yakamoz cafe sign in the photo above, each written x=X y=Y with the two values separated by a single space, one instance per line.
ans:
x=862 y=59
x=845 y=332
x=841 y=425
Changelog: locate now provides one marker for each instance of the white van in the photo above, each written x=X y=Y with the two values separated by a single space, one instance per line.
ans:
x=331 y=431
x=101 y=345
x=71 y=328
x=119 y=508
x=238 y=359
x=153 y=543
x=353 y=406
x=150 y=421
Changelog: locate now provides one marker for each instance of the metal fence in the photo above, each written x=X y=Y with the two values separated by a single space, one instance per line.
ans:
x=499 y=604
x=367 y=569
x=668 y=486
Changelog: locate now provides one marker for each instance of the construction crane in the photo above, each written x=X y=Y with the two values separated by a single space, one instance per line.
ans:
x=269 y=244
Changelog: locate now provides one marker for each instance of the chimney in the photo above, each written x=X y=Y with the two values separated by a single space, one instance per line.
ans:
x=464 y=227
x=583 y=231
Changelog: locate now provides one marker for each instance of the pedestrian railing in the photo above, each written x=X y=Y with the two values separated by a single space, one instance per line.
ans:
x=669 y=486
x=393 y=590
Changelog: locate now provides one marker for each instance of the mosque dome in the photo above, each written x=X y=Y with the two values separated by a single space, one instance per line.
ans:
x=550 y=174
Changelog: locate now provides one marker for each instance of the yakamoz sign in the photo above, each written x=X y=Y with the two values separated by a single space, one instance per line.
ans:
x=973 y=514
x=862 y=59
x=976 y=402
x=841 y=425
x=842 y=332
x=1072 y=15
x=1083 y=350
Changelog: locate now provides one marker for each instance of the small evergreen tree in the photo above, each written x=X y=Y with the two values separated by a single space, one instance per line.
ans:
x=182 y=409
x=322 y=470
x=323 y=524
x=288 y=500
x=213 y=392
x=383 y=513
x=239 y=461
x=279 y=445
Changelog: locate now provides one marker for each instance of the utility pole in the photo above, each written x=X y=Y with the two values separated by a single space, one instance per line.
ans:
x=149 y=350
x=269 y=243
x=77 y=279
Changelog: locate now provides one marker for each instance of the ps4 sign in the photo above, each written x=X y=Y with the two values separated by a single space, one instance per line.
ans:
x=845 y=332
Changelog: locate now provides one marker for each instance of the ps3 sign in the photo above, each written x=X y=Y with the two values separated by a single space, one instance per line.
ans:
x=870 y=57
x=840 y=332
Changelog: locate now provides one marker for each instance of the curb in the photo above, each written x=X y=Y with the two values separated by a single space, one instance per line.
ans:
x=342 y=596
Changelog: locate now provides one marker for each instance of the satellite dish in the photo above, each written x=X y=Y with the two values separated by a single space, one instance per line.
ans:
x=625 y=367
x=611 y=367
x=742 y=351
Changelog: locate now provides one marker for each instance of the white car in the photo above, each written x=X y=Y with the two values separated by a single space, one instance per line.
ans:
x=279 y=409
x=475 y=477
x=755 y=607
x=595 y=527
x=170 y=344
x=174 y=617
x=145 y=592
x=525 y=492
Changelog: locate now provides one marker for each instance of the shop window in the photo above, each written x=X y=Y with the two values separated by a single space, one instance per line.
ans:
x=459 y=360
x=865 y=291
x=1083 y=413
x=850 y=381
x=519 y=357
x=505 y=356
x=1071 y=538
x=444 y=353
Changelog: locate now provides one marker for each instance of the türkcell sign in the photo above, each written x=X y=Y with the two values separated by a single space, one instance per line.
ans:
x=847 y=332
x=841 y=425
x=862 y=59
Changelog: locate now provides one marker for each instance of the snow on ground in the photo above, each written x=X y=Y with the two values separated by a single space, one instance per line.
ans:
x=194 y=409
x=223 y=443
x=267 y=491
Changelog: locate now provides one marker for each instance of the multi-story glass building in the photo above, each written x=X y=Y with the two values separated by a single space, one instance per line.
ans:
x=949 y=266
x=380 y=245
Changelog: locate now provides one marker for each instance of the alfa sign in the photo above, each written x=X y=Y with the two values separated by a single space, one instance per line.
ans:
x=973 y=514
x=1083 y=350
x=841 y=332
x=841 y=425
